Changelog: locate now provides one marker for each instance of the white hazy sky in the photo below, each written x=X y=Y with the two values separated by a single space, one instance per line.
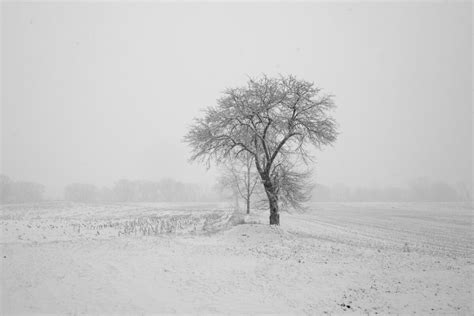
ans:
x=94 y=92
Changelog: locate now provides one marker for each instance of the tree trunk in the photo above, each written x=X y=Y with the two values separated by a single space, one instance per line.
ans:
x=249 y=165
x=274 y=212
x=272 y=200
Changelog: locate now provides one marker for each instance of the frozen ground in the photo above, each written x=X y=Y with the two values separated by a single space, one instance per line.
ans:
x=181 y=258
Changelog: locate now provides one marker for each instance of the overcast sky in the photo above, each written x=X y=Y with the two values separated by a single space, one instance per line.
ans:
x=95 y=92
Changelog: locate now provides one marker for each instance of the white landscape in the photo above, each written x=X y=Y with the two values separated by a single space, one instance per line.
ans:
x=140 y=258
x=236 y=158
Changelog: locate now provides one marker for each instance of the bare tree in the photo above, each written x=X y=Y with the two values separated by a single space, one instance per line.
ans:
x=294 y=186
x=238 y=176
x=273 y=119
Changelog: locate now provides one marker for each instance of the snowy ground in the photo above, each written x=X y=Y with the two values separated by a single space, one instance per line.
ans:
x=336 y=258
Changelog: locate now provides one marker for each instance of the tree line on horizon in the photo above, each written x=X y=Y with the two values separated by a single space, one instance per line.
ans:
x=124 y=190
x=19 y=191
x=420 y=190
x=169 y=190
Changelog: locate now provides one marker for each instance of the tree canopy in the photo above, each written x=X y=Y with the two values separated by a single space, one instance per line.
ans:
x=276 y=120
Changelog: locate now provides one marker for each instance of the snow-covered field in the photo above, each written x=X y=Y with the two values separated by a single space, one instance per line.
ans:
x=376 y=258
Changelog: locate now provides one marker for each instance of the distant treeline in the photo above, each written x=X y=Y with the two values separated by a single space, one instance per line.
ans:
x=169 y=190
x=166 y=190
x=418 y=191
x=19 y=191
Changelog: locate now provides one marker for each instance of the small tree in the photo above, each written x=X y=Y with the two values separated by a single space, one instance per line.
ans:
x=294 y=187
x=274 y=120
x=238 y=176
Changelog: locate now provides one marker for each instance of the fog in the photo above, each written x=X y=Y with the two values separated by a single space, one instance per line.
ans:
x=97 y=92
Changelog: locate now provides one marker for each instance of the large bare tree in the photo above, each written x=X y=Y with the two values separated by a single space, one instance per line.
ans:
x=276 y=120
